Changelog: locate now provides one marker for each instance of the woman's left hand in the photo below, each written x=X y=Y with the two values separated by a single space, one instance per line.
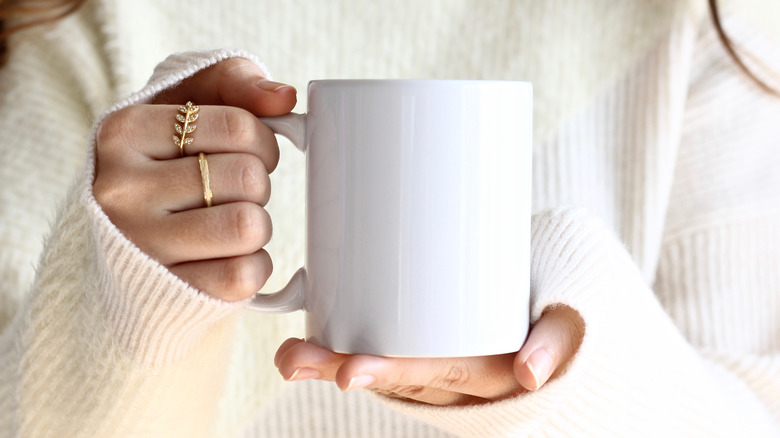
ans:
x=551 y=344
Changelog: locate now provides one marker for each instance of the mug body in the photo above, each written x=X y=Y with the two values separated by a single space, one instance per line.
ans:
x=418 y=216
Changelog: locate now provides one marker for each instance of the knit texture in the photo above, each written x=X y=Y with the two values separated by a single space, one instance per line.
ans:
x=655 y=192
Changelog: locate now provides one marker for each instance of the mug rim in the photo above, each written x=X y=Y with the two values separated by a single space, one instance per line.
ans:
x=411 y=82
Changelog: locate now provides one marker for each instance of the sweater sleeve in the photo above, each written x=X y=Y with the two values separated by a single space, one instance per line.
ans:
x=696 y=354
x=633 y=375
x=108 y=342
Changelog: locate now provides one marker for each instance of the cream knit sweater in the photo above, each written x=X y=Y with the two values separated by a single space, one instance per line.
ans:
x=656 y=187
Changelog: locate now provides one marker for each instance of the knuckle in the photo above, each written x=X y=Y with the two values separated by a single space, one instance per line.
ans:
x=266 y=267
x=239 y=278
x=576 y=334
x=238 y=127
x=408 y=391
x=269 y=148
x=570 y=329
x=386 y=392
x=114 y=195
x=121 y=206
x=115 y=132
x=456 y=374
x=252 y=225
x=248 y=223
x=107 y=194
x=253 y=179
x=230 y=65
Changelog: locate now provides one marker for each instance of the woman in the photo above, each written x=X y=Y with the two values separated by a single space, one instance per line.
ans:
x=639 y=125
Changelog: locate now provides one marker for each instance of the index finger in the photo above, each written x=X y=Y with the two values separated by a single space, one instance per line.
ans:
x=295 y=355
x=236 y=82
x=489 y=377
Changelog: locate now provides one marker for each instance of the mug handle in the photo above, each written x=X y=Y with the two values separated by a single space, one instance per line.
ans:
x=292 y=296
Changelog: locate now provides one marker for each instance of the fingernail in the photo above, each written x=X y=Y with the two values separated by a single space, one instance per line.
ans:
x=303 y=374
x=271 y=86
x=540 y=364
x=358 y=382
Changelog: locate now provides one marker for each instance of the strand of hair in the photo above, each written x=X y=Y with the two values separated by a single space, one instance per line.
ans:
x=729 y=45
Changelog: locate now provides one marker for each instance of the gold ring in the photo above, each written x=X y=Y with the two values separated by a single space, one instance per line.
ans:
x=204 y=175
x=189 y=114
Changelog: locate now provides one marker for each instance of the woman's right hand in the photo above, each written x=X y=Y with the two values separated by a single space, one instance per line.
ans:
x=156 y=197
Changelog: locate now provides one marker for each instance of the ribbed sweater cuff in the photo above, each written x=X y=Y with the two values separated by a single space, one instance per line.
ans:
x=633 y=375
x=156 y=317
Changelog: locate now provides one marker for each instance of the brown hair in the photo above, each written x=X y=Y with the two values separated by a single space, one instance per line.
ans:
x=736 y=53
x=25 y=14
x=37 y=12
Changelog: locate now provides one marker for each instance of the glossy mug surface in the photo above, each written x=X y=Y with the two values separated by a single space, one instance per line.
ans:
x=417 y=217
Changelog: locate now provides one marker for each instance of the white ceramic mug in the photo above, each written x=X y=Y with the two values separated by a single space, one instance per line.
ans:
x=417 y=217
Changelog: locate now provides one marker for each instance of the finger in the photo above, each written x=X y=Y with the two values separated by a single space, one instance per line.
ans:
x=149 y=130
x=488 y=377
x=235 y=82
x=178 y=185
x=553 y=341
x=230 y=279
x=229 y=230
x=430 y=396
x=286 y=345
x=300 y=360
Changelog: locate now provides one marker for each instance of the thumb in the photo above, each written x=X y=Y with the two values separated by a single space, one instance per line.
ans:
x=553 y=341
x=236 y=82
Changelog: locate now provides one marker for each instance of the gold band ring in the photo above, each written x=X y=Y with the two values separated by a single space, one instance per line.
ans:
x=189 y=114
x=204 y=175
